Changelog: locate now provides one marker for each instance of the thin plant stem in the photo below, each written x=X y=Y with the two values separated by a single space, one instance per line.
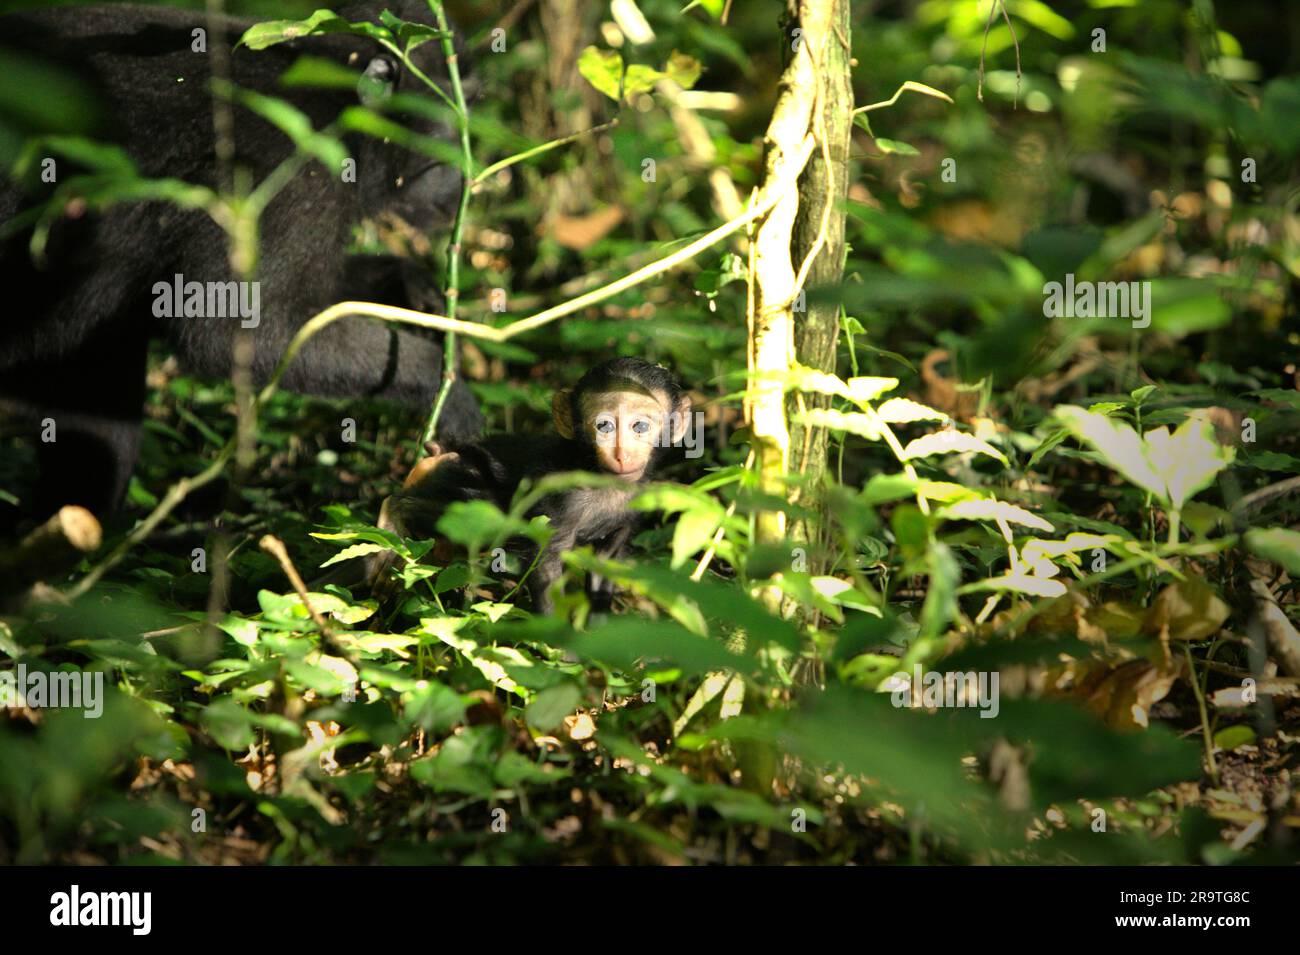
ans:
x=452 y=285
x=1205 y=716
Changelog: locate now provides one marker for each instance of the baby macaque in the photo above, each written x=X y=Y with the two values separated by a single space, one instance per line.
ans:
x=619 y=420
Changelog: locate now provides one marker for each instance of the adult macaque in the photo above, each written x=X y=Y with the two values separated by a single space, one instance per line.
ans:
x=620 y=420
x=75 y=350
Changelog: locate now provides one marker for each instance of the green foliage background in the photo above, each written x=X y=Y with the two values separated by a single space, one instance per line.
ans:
x=693 y=725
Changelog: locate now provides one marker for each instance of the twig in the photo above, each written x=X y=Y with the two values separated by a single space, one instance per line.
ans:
x=707 y=557
x=1263 y=495
x=538 y=150
x=452 y=287
x=513 y=16
x=1281 y=636
x=979 y=89
x=275 y=547
x=1205 y=716
x=909 y=86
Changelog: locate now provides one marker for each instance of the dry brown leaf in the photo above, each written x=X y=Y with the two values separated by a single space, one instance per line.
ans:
x=580 y=726
x=942 y=393
x=1123 y=694
x=1186 y=610
x=1116 y=620
x=580 y=232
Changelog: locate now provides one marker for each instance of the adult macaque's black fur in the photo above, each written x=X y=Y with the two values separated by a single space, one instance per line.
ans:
x=75 y=348
x=493 y=468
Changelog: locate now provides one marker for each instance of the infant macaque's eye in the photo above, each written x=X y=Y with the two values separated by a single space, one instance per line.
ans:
x=641 y=427
x=604 y=426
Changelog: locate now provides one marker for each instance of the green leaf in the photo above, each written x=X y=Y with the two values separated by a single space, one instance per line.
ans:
x=435 y=707
x=1189 y=459
x=714 y=8
x=623 y=641
x=1052 y=440
x=462 y=764
x=941 y=599
x=883 y=488
x=362 y=120
x=1278 y=544
x=319 y=72
x=915 y=87
x=803 y=378
x=603 y=69
x=476 y=523
x=1230 y=737
x=356 y=550
x=1273 y=461
x=911 y=530
x=263 y=35
x=549 y=708
x=101 y=157
x=1020 y=584
x=291 y=121
x=228 y=723
x=315 y=677
x=385 y=540
x=671 y=498
x=1117 y=443
x=896 y=147
x=411 y=35
x=694 y=529
x=640 y=79
x=514 y=770
x=683 y=70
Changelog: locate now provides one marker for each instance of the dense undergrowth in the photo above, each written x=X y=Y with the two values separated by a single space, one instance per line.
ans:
x=1079 y=508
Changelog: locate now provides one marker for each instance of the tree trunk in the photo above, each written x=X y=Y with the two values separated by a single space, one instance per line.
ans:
x=823 y=188
x=806 y=122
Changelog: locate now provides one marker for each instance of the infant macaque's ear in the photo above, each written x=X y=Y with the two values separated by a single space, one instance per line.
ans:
x=680 y=418
x=562 y=412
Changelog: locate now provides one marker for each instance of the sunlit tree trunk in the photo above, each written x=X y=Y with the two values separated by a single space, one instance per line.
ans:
x=806 y=129
x=819 y=230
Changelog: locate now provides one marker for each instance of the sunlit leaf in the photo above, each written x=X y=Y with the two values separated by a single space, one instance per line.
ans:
x=867 y=389
x=1278 y=544
x=905 y=411
x=850 y=422
x=986 y=509
x=1117 y=443
x=603 y=69
x=694 y=529
x=950 y=442
x=356 y=550
x=263 y=35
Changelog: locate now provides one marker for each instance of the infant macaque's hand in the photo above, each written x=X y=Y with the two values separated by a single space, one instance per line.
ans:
x=422 y=468
x=379 y=566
